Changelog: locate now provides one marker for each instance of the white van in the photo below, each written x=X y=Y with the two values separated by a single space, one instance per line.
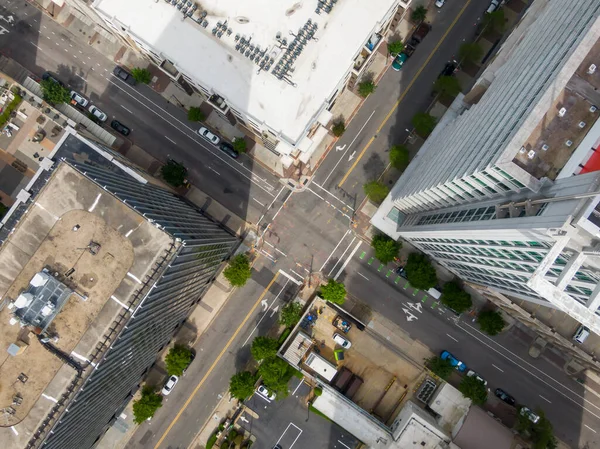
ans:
x=581 y=334
x=435 y=293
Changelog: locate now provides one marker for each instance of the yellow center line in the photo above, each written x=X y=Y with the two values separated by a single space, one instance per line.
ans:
x=218 y=359
x=387 y=117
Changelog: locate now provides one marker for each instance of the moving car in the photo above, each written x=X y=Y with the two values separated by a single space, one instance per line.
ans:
x=504 y=396
x=399 y=61
x=118 y=126
x=48 y=76
x=229 y=150
x=124 y=75
x=439 y=3
x=445 y=355
x=97 y=113
x=525 y=411
x=341 y=340
x=264 y=392
x=81 y=101
x=205 y=133
x=171 y=382
x=472 y=373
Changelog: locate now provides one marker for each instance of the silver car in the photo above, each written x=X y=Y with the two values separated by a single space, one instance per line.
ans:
x=97 y=113
x=81 y=101
x=206 y=134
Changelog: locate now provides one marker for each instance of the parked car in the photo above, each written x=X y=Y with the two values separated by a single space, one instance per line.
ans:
x=264 y=392
x=504 y=396
x=525 y=411
x=124 y=75
x=399 y=61
x=49 y=76
x=229 y=150
x=78 y=99
x=472 y=373
x=401 y=271
x=118 y=126
x=171 y=382
x=581 y=334
x=206 y=134
x=449 y=69
x=341 y=340
x=97 y=113
x=460 y=366
x=439 y=3
x=494 y=5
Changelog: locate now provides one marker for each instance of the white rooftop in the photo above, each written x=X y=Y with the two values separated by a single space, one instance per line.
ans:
x=215 y=63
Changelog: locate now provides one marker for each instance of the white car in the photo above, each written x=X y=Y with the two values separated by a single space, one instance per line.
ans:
x=341 y=340
x=264 y=392
x=440 y=3
x=494 y=5
x=83 y=102
x=97 y=113
x=170 y=385
x=209 y=136
x=525 y=411
x=472 y=373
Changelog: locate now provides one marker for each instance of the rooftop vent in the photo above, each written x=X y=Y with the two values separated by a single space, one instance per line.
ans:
x=562 y=112
x=581 y=124
x=591 y=69
x=243 y=20
x=569 y=143
x=593 y=108
x=545 y=147
x=522 y=150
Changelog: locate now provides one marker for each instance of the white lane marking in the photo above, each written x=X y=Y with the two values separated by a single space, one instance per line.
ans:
x=362 y=275
x=267 y=255
x=499 y=369
x=345 y=445
x=14 y=430
x=171 y=140
x=271 y=205
x=80 y=52
x=590 y=428
x=342 y=256
x=296 y=389
x=53 y=32
x=132 y=276
x=347 y=149
x=350 y=256
x=258 y=202
x=35 y=46
x=81 y=78
x=265 y=313
x=334 y=249
x=328 y=203
x=284 y=432
x=297 y=274
x=281 y=207
x=263 y=398
x=122 y=304
x=327 y=191
x=83 y=62
x=95 y=203
x=547 y=400
x=126 y=109
x=295 y=281
x=50 y=398
x=43 y=26
x=452 y=338
x=212 y=169
x=281 y=252
x=71 y=45
x=75 y=56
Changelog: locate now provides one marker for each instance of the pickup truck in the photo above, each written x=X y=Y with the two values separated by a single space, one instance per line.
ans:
x=416 y=38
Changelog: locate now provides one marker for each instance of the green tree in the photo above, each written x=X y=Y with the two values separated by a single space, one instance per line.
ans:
x=541 y=433
x=338 y=128
x=318 y=391
x=241 y=385
x=447 y=85
x=474 y=389
x=3 y=210
x=419 y=272
x=142 y=76
x=491 y=322
x=239 y=145
x=195 y=114
x=441 y=368
x=399 y=157
x=54 y=93
x=145 y=407
x=376 y=191
x=238 y=271
x=275 y=374
x=334 y=292
x=178 y=359
x=386 y=248
x=366 y=88
x=395 y=47
x=494 y=20
x=290 y=314
x=424 y=123
x=264 y=348
x=419 y=14
x=174 y=173
x=470 y=52
x=455 y=297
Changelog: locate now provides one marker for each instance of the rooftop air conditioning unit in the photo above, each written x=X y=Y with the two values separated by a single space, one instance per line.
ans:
x=591 y=69
x=593 y=108
x=545 y=147
x=562 y=112
x=581 y=124
x=569 y=143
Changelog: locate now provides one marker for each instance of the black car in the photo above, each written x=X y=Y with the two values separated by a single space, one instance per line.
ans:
x=504 y=396
x=400 y=270
x=124 y=75
x=48 y=76
x=118 y=126
x=449 y=69
x=228 y=148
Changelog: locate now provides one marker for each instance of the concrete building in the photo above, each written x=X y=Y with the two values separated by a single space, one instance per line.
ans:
x=98 y=268
x=273 y=68
x=504 y=192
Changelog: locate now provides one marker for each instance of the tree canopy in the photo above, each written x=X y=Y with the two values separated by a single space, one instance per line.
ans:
x=474 y=389
x=424 y=123
x=146 y=406
x=240 y=145
x=447 y=85
x=491 y=322
x=455 y=297
x=541 y=434
x=366 y=88
x=470 y=52
x=142 y=76
x=338 y=128
x=419 y=14
x=174 y=173
x=334 y=292
x=195 y=114
x=419 y=272
x=399 y=157
x=275 y=374
x=441 y=368
x=386 y=248
x=376 y=191
x=495 y=20
x=241 y=385
x=54 y=93
x=238 y=272
x=178 y=359
x=290 y=314
x=395 y=47
x=264 y=348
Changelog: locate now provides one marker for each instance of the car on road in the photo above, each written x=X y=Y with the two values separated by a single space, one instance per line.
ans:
x=401 y=271
x=118 y=126
x=504 y=396
x=460 y=366
x=525 y=411
x=206 y=134
x=78 y=99
x=264 y=392
x=439 y=3
x=169 y=385
x=472 y=373
x=97 y=113
x=124 y=75
x=494 y=5
x=49 y=76
x=399 y=61
x=341 y=340
x=449 y=69
x=228 y=149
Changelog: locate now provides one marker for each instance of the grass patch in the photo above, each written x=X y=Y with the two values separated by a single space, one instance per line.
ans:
x=5 y=117
x=316 y=412
x=211 y=441
x=285 y=334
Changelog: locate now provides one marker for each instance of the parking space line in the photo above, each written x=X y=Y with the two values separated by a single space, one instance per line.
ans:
x=547 y=400
x=299 y=385
x=370 y=262
x=284 y=432
x=590 y=428
x=452 y=338
x=362 y=275
x=499 y=369
x=345 y=445
x=362 y=255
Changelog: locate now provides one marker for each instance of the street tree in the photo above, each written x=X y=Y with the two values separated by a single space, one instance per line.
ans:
x=376 y=191
x=420 y=272
x=447 y=85
x=441 y=368
x=419 y=14
x=424 y=123
x=195 y=114
x=239 y=145
x=395 y=47
x=54 y=93
x=338 y=128
x=238 y=271
x=174 y=173
x=541 y=433
x=366 y=88
x=455 y=297
x=470 y=53
x=241 y=385
x=494 y=21
x=145 y=407
x=399 y=157
x=275 y=374
x=264 y=348
x=474 y=389
x=142 y=76
x=334 y=292
x=290 y=314
x=178 y=358
x=386 y=248
x=491 y=322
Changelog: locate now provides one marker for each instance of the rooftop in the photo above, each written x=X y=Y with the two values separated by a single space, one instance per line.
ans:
x=208 y=52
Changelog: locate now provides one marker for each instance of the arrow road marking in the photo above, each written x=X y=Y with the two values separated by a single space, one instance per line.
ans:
x=243 y=418
x=274 y=311
x=340 y=147
x=265 y=305
x=352 y=156
x=409 y=316
x=416 y=306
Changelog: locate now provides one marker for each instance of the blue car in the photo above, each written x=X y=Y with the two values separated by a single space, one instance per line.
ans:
x=399 y=61
x=445 y=355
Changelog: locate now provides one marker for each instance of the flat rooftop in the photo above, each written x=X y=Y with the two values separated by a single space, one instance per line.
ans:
x=212 y=58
